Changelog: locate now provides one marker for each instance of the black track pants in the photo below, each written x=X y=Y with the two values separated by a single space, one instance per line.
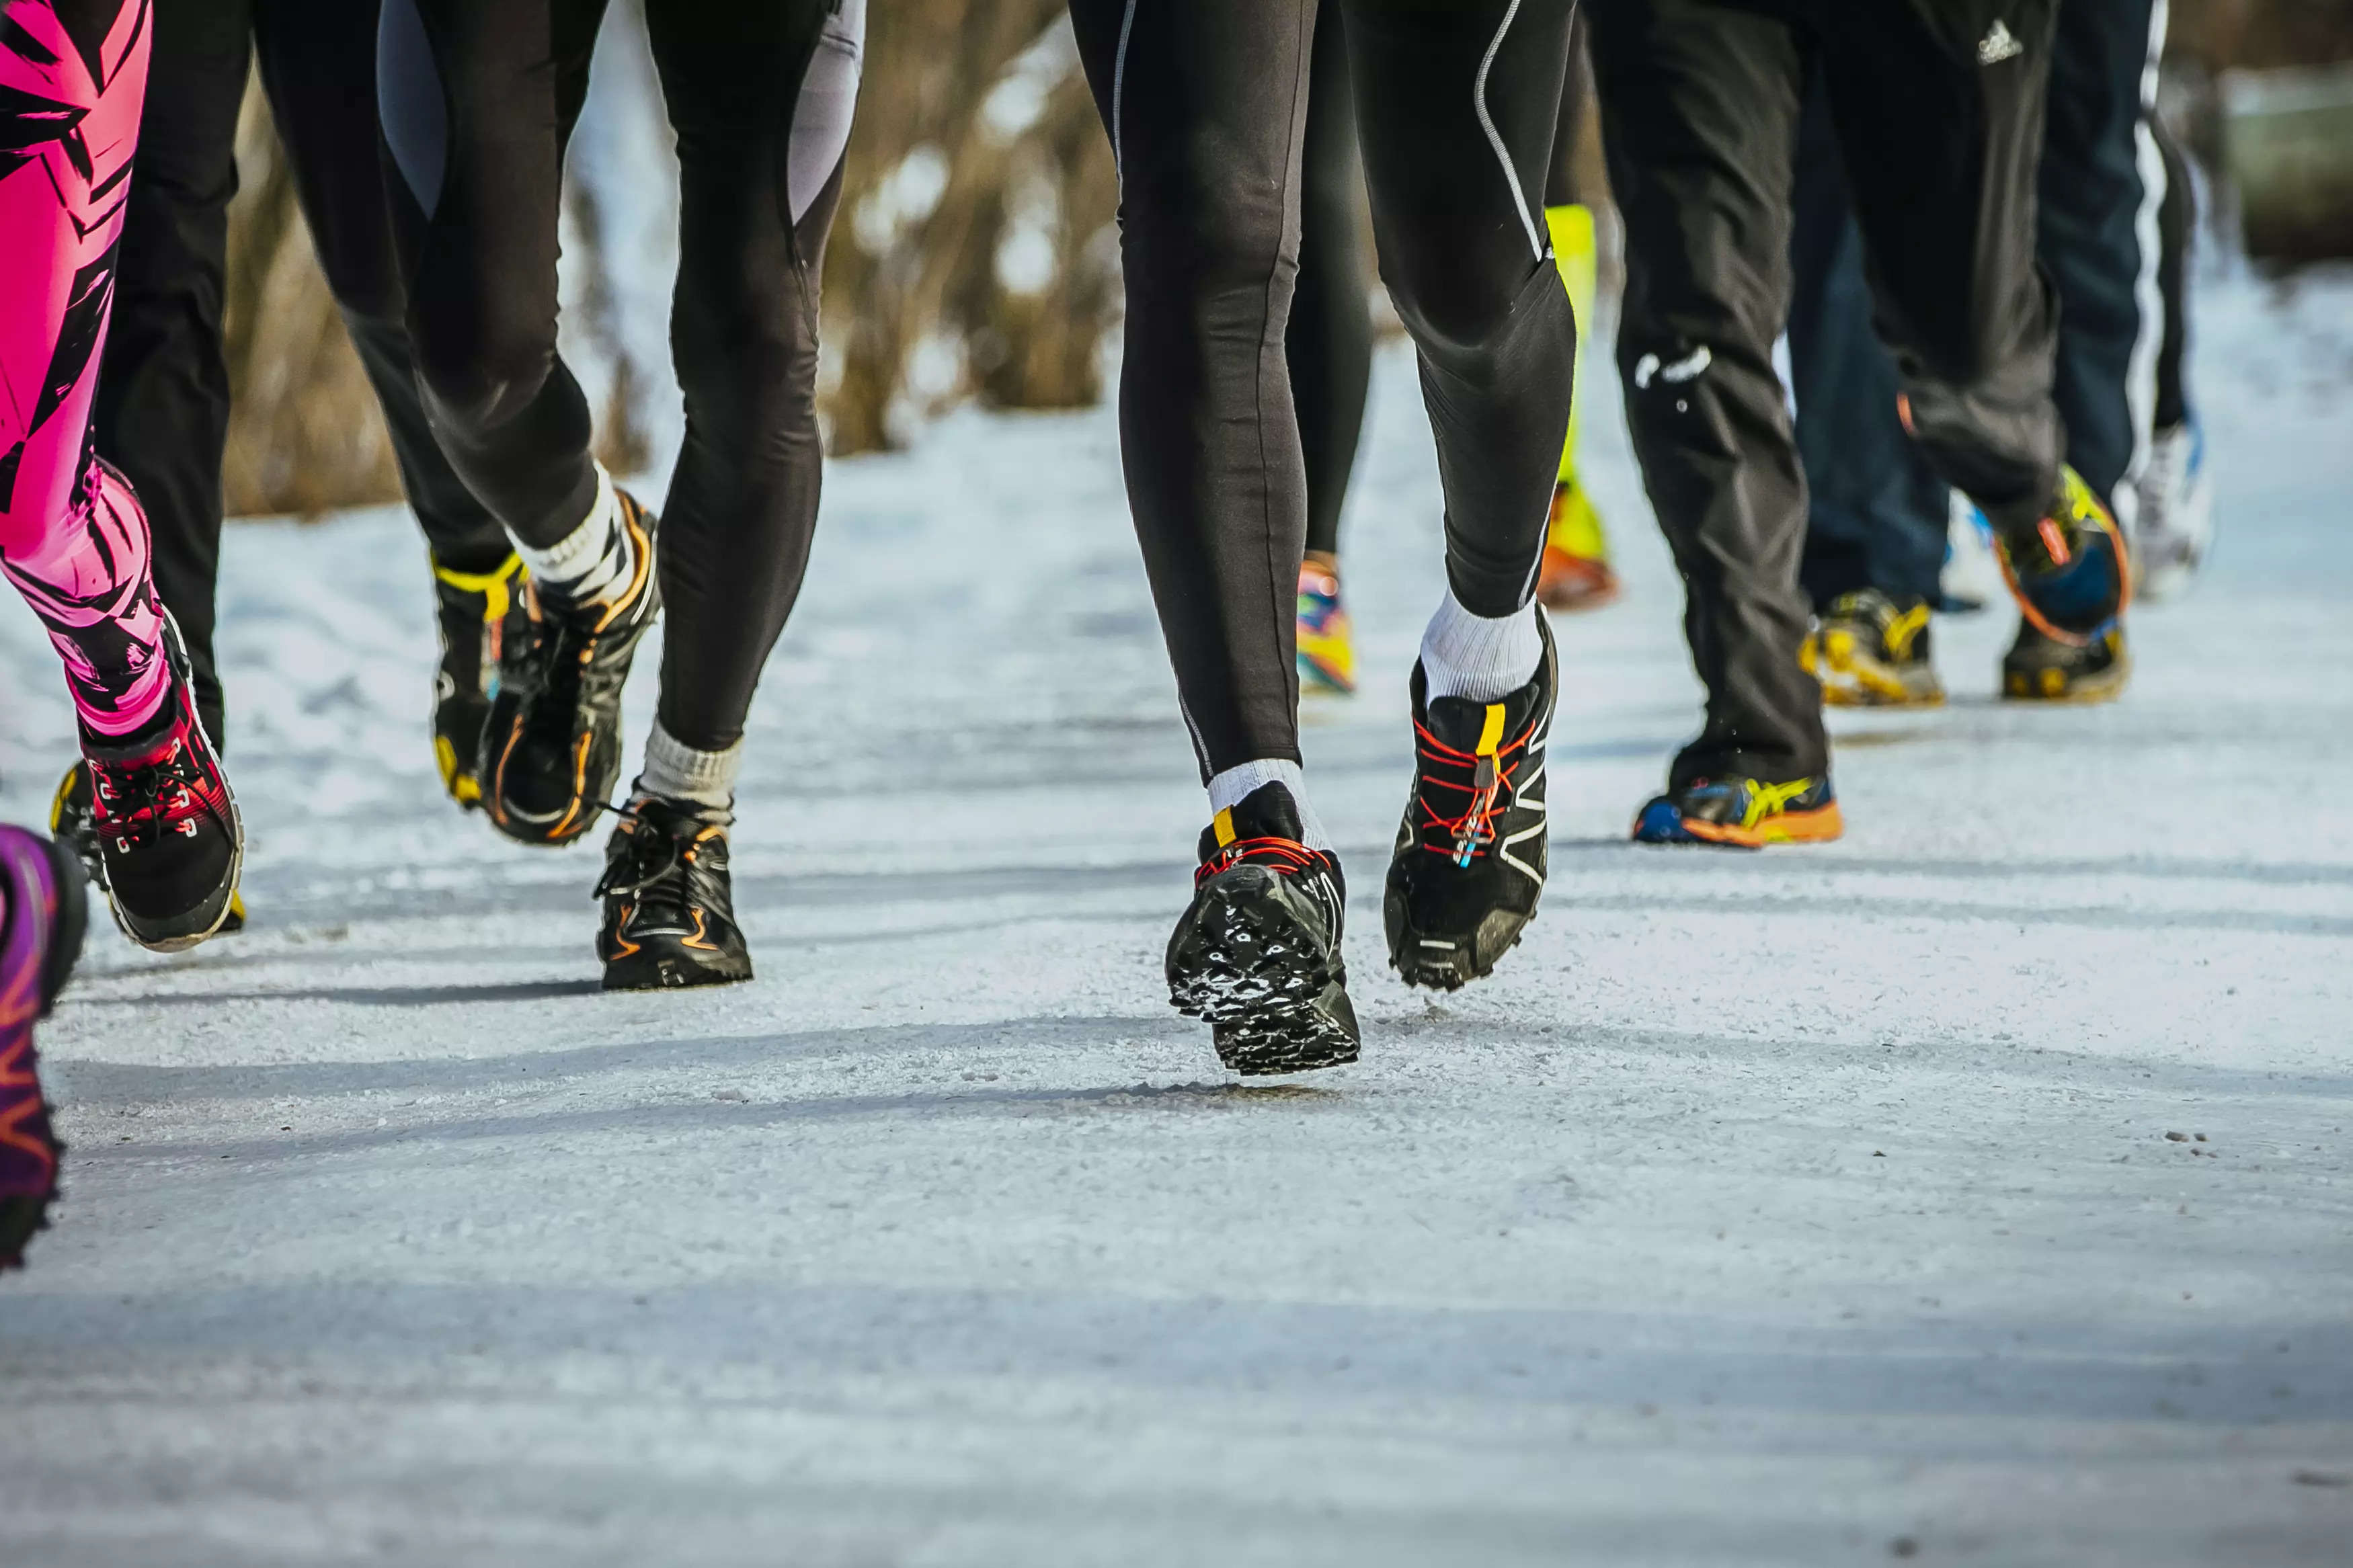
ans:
x=1329 y=344
x=162 y=405
x=1878 y=510
x=1876 y=513
x=1940 y=122
x=2103 y=180
x=479 y=97
x=1207 y=101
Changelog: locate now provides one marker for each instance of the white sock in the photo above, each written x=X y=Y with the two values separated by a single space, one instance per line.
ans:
x=1480 y=659
x=1231 y=787
x=679 y=772
x=592 y=563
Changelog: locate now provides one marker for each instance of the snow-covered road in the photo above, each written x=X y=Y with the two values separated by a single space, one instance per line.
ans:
x=1979 y=1188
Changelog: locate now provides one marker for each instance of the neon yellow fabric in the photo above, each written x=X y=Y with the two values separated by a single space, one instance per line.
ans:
x=1573 y=252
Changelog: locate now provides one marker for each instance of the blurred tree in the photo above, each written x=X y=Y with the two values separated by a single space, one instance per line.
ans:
x=974 y=255
x=304 y=435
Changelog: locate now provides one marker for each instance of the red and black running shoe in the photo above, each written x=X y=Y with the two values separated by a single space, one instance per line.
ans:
x=1257 y=956
x=1471 y=853
x=167 y=824
x=43 y=914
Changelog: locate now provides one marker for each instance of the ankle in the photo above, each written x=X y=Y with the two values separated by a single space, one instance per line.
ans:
x=1231 y=786
x=1480 y=658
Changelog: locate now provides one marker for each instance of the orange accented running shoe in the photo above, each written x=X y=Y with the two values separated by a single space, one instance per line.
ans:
x=1742 y=814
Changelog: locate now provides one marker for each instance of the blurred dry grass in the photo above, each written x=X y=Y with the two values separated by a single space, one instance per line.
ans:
x=972 y=259
x=304 y=434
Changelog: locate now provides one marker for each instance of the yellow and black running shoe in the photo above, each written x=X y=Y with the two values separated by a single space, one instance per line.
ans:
x=1871 y=651
x=1742 y=814
x=551 y=745
x=477 y=613
x=669 y=908
x=2071 y=575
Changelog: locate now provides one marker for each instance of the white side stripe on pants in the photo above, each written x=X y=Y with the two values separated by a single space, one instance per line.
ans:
x=1495 y=140
x=2140 y=377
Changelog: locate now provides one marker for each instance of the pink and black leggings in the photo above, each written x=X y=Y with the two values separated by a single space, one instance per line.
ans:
x=73 y=539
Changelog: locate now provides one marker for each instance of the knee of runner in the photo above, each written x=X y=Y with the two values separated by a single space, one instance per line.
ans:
x=1201 y=239
x=746 y=359
x=1478 y=323
x=479 y=372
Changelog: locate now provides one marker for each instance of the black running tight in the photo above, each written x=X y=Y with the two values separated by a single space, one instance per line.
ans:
x=1329 y=345
x=1206 y=101
x=479 y=97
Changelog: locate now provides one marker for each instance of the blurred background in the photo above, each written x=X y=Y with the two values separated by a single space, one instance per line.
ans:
x=975 y=261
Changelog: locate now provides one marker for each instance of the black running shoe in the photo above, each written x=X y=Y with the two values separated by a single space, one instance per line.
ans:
x=551 y=747
x=479 y=613
x=1257 y=956
x=73 y=821
x=669 y=912
x=1870 y=650
x=169 y=839
x=1469 y=861
x=43 y=914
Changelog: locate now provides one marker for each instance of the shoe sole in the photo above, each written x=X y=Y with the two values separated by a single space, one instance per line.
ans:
x=1444 y=963
x=647 y=970
x=1789 y=828
x=2086 y=691
x=1249 y=970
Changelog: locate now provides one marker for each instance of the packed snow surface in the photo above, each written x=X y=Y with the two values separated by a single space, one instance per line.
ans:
x=1973 y=1189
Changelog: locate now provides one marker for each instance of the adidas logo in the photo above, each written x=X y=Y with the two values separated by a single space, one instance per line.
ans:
x=2000 y=45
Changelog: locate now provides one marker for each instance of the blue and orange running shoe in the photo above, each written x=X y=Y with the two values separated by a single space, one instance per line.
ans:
x=1742 y=814
x=2071 y=576
x=43 y=915
x=1327 y=653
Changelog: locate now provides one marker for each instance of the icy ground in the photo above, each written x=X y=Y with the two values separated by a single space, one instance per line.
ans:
x=1807 y=1208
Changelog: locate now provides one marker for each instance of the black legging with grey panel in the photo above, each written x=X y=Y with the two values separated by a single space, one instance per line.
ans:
x=1206 y=101
x=477 y=100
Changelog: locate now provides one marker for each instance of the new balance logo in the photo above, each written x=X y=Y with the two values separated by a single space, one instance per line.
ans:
x=2000 y=45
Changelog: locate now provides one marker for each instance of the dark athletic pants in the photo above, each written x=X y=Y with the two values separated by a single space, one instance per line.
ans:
x=1330 y=342
x=1875 y=509
x=1206 y=101
x=162 y=405
x=479 y=98
x=1878 y=514
x=1700 y=102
